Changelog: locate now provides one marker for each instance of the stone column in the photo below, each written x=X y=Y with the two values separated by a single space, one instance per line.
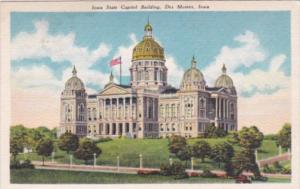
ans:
x=110 y=129
x=124 y=99
x=220 y=107
x=117 y=108
x=224 y=108
x=111 y=108
x=118 y=129
x=124 y=129
x=227 y=109
x=130 y=107
x=104 y=107
x=216 y=116
x=103 y=129
x=131 y=129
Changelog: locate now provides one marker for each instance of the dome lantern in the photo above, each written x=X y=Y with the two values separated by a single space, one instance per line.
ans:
x=74 y=71
x=148 y=29
x=224 y=69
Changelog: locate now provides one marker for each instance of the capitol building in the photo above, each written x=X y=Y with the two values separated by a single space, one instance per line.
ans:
x=149 y=107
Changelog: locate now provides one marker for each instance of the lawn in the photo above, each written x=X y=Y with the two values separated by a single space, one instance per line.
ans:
x=34 y=176
x=154 y=151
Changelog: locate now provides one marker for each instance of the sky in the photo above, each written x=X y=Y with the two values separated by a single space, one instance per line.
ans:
x=254 y=46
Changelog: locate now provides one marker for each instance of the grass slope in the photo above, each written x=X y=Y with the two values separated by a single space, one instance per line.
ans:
x=155 y=152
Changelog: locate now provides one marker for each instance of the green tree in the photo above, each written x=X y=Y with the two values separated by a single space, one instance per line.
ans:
x=284 y=136
x=184 y=154
x=250 y=138
x=222 y=152
x=44 y=148
x=176 y=143
x=210 y=131
x=201 y=149
x=87 y=149
x=68 y=142
x=245 y=161
x=16 y=147
x=19 y=132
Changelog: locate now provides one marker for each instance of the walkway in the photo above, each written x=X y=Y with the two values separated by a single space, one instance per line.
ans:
x=271 y=160
x=126 y=170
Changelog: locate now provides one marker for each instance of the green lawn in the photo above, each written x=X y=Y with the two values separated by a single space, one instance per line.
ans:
x=35 y=176
x=154 y=151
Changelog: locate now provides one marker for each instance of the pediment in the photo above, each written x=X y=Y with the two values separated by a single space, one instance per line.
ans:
x=114 y=89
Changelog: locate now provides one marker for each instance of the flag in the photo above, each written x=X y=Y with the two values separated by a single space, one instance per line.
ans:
x=115 y=61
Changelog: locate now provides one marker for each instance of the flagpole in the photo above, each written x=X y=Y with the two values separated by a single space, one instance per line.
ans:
x=120 y=71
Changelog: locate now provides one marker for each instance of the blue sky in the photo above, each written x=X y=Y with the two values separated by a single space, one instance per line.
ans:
x=255 y=46
x=182 y=34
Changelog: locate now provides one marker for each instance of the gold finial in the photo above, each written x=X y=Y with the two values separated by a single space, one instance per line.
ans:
x=194 y=62
x=74 y=71
x=224 y=69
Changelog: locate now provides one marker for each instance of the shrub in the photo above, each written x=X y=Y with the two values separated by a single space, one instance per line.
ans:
x=14 y=164
x=176 y=169
x=286 y=170
x=208 y=174
x=147 y=172
x=277 y=167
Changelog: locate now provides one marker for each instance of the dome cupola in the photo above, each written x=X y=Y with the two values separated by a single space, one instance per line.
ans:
x=224 y=80
x=193 y=78
x=148 y=48
x=74 y=83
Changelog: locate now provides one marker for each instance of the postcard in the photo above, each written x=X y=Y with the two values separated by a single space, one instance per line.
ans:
x=166 y=94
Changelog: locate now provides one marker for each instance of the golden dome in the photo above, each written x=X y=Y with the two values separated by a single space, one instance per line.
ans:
x=148 y=48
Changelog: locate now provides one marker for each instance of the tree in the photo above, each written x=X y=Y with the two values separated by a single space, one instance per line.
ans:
x=16 y=147
x=87 y=149
x=250 y=138
x=201 y=149
x=68 y=142
x=245 y=161
x=284 y=136
x=212 y=132
x=44 y=148
x=184 y=154
x=176 y=143
x=222 y=152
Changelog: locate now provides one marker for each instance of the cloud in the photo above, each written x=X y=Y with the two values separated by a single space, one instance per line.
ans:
x=59 y=48
x=249 y=52
x=174 y=70
x=263 y=81
x=263 y=91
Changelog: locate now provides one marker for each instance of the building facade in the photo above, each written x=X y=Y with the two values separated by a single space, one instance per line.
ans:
x=149 y=107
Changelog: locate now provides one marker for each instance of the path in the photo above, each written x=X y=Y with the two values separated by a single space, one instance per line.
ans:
x=126 y=170
x=271 y=160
